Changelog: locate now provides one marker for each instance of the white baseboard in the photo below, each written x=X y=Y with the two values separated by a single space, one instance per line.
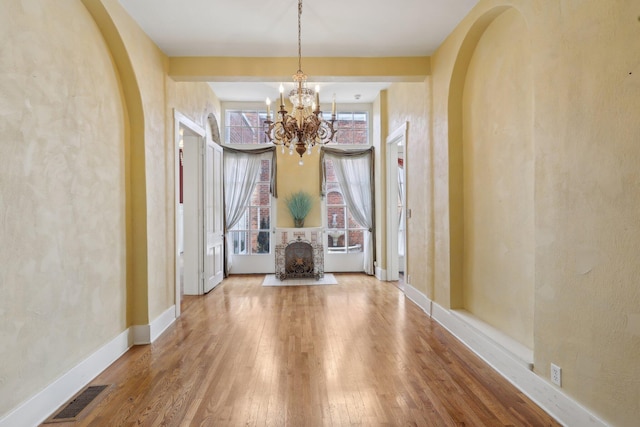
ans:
x=381 y=274
x=146 y=334
x=39 y=407
x=515 y=368
x=418 y=298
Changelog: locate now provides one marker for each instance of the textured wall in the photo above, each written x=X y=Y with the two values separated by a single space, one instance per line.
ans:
x=410 y=102
x=586 y=80
x=62 y=195
x=498 y=262
x=587 y=316
x=149 y=66
x=195 y=100
x=292 y=178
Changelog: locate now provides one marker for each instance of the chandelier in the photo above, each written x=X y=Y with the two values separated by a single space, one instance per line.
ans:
x=304 y=127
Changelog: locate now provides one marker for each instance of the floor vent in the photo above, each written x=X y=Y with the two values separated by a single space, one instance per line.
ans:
x=75 y=406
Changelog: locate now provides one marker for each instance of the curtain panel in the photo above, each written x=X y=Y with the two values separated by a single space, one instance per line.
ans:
x=354 y=170
x=241 y=172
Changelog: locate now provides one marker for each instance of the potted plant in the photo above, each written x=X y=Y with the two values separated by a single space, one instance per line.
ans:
x=299 y=205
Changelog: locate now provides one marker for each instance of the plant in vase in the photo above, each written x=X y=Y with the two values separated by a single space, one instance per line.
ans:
x=299 y=205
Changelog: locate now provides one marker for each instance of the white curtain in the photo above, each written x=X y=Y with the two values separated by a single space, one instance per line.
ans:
x=354 y=174
x=241 y=172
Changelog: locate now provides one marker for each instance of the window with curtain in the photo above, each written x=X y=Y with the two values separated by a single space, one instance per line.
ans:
x=251 y=234
x=345 y=234
x=249 y=182
x=348 y=188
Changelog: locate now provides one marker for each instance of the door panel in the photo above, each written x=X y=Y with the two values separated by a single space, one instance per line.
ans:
x=213 y=230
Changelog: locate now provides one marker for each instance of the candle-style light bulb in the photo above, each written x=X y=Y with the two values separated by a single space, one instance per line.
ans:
x=281 y=94
x=268 y=109
x=317 y=97
x=333 y=105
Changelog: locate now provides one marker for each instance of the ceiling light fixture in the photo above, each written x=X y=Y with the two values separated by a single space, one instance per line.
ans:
x=304 y=127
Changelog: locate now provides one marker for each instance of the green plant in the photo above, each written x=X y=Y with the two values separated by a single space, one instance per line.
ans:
x=299 y=205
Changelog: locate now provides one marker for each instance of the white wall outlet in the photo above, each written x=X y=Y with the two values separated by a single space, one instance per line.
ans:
x=408 y=278
x=556 y=375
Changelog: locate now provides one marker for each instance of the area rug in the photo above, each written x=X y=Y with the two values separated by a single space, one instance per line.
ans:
x=272 y=280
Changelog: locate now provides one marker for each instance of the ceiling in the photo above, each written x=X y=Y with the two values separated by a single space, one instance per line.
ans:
x=268 y=28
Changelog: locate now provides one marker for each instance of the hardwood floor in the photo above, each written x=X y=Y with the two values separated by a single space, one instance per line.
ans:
x=356 y=353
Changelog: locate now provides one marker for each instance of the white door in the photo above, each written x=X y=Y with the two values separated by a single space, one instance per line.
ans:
x=394 y=141
x=213 y=220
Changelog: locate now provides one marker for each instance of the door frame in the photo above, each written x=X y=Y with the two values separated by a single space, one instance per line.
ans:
x=180 y=121
x=396 y=138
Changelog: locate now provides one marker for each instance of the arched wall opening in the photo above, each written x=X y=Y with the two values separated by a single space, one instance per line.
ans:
x=491 y=174
x=135 y=179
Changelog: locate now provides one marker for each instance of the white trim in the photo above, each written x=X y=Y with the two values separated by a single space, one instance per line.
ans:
x=146 y=334
x=396 y=138
x=381 y=274
x=179 y=119
x=162 y=322
x=550 y=398
x=141 y=334
x=418 y=298
x=41 y=405
x=520 y=352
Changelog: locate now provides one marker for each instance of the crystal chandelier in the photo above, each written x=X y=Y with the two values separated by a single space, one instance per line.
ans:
x=305 y=126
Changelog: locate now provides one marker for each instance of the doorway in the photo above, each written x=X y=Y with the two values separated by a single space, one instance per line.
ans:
x=396 y=164
x=198 y=210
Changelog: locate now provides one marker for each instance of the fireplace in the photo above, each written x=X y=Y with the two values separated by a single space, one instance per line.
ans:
x=299 y=253
x=298 y=260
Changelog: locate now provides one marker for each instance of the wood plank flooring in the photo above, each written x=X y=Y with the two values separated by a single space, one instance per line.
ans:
x=356 y=353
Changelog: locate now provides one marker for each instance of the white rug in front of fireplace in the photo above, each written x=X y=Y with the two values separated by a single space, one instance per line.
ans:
x=272 y=280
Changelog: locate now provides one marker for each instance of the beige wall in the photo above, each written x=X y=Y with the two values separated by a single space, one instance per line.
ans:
x=378 y=138
x=91 y=154
x=87 y=116
x=292 y=178
x=410 y=103
x=149 y=66
x=196 y=101
x=585 y=133
x=63 y=274
x=497 y=154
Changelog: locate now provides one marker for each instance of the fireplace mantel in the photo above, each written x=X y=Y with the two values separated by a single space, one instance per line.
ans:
x=309 y=234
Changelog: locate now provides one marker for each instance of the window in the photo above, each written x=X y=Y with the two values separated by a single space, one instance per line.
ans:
x=252 y=234
x=344 y=233
x=245 y=126
x=352 y=128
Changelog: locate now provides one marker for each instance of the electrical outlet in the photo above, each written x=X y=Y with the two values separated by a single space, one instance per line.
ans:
x=408 y=278
x=556 y=375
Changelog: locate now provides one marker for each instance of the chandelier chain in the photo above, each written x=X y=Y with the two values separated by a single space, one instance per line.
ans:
x=299 y=36
x=305 y=127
